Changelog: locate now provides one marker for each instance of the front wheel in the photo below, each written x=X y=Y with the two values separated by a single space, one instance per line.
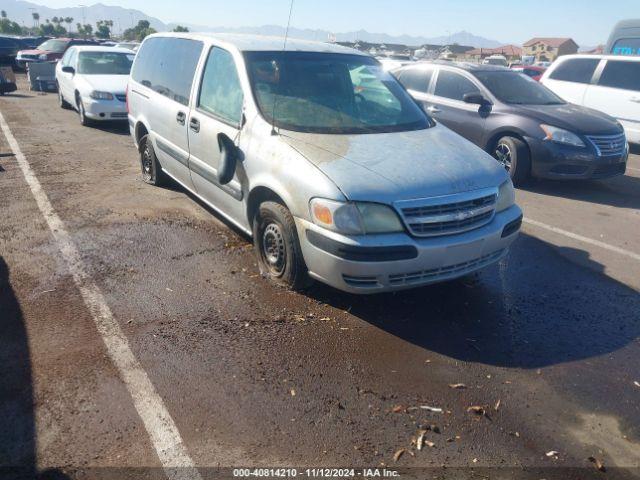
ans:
x=277 y=246
x=84 y=120
x=514 y=156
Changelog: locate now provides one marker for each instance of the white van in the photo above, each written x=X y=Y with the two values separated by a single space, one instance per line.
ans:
x=607 y=83
x=322 y=157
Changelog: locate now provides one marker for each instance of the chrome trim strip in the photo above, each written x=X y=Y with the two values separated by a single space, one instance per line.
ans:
x=172 y=152
x=210 y=174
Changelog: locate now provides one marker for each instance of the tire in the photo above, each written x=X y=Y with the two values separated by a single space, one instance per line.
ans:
x=514 y=154
x=277 y=246
x=61 y=101
x=84 y=120
x=152 y=172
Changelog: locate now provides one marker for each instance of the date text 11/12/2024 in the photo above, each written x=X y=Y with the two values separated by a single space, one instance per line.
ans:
x=268 y=473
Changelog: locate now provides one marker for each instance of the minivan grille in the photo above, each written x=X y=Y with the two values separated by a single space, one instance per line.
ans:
x=609 y=145
x=448 y=218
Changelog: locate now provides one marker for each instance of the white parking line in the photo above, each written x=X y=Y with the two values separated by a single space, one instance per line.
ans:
x=582 y=239
x=160 y=426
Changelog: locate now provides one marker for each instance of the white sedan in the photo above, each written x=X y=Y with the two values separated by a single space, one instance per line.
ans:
x=93 y=80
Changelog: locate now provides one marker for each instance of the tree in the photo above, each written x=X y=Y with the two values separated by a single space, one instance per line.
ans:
x=180 y=29
x=104 y=29
x=9 y=27
x=36 y=19
x=68 y=21
x=84 y=30
x=139 y=32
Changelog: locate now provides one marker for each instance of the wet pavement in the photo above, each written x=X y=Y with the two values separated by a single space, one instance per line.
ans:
x=547 y=342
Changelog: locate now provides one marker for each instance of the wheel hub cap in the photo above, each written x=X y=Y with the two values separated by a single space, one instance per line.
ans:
x=146 y=162
x=273 y=247
x=503 y=154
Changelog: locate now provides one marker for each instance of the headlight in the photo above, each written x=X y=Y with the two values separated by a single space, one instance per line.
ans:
x=101 y=96
x=43 y=56
x=559 y=135
x=506 y=196
x=354 y=218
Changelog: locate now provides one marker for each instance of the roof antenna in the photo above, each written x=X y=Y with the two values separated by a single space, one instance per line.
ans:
x=284 y=48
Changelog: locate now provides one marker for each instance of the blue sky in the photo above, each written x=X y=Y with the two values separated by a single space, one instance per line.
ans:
x=589 y=21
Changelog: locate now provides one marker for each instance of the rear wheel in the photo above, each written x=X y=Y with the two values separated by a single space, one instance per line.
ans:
x=151 y=170
x=277 y=246
x=514 y=156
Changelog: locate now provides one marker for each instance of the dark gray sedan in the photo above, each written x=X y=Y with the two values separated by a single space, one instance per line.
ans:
x=524 y=125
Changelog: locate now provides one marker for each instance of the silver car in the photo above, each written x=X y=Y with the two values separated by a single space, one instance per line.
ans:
x=322 y=157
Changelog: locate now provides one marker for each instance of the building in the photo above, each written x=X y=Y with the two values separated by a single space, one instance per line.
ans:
x=548 y=49
x=512 y=53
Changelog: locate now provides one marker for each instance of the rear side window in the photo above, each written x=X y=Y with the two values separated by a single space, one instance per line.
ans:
x=221 y=93
x=454 y=86
x=577 y=70
x=623 y=75
x=167 y=66
x=627 y=46
x=417 y=79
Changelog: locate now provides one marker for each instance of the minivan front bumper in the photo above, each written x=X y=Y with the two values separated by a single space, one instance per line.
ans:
x=379 y=263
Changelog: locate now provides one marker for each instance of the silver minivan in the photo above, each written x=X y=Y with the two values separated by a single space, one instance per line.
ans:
x=322 y=157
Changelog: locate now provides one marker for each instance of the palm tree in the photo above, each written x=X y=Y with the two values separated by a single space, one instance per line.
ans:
x=3 y=14
x=36 y=19
x=68 y=21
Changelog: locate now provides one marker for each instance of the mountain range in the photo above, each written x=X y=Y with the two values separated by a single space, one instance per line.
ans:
x=21 y=11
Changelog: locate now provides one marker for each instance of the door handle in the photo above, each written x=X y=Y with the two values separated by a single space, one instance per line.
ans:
x=181 y=118
x=194 y=125
x=433 y=109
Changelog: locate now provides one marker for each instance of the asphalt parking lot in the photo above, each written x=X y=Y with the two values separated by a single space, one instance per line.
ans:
x=547 y=342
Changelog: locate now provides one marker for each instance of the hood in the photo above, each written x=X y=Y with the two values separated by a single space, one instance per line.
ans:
x=572 y=117
x=107 y=83
x=388 y=167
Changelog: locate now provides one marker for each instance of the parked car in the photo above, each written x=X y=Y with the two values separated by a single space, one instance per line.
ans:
x=133 y=46
x=528 y=128
x=610 y=84
x=30 y=42
x=8 y=50
x=530 y=71
x=50 y=51
x=93 y=80
x=499 y=60
x=625 y=39
x=349 y=184
x=391 y=62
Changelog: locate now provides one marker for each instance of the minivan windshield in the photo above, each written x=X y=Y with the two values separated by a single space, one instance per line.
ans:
x=105 y=63
x=330 y=93
x=517 y=89
x=57 y=46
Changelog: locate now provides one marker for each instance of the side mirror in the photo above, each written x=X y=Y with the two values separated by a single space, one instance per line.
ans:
x=70 y=70
x=475 y=98
x=229 y=157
